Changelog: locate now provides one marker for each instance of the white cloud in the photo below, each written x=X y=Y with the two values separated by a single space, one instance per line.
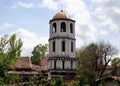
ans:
x=103 y=32
x=13 y=7
x=26 y=5
x=30 y=40
x=116 y=10
x=108 y=11
x=6 y=25
x=99 y=1
x=51 y=4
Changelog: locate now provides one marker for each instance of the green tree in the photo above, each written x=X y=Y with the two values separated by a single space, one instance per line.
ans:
x=10 y=50
x=115 y=61
x=76 y=84
x=39 y=53
x=93 y=59
x=56 y=82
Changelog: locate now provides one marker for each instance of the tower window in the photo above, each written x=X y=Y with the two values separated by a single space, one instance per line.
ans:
x=63 y=63
x=63 y=46
x=54 y=64
x=53 y=46
x=71 y=46
x=71 y=28
x=63 y=27
x=54 y=27
x=71 y=64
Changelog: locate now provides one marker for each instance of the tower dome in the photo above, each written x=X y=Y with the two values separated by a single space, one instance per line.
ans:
x=61 y=15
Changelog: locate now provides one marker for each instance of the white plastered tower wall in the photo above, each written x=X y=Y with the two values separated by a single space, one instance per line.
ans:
x=62 y=42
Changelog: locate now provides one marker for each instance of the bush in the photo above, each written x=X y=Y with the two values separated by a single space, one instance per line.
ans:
x=56 y=82
x=1 y=81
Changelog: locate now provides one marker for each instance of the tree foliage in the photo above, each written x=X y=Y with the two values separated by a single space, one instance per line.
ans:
x=115 y=61
x=10 y=50
x=61 y=82
x=93 y=59
x=38 y=53
x=56 y=82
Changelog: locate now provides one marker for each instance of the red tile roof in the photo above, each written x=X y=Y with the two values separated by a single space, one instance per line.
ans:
x=44 y=61
x=36 y=67
x=23 y=72
x=43 y=67
x=109 y=77
x=23 y=62
x=109 y=67
x=44 y=64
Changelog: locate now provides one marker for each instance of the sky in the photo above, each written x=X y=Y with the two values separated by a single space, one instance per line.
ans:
x=29 y=19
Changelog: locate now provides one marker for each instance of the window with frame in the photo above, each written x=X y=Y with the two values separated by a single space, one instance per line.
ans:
x=54 y=27
x=63 y=64
x=63 y=27
x=54 y=46
x=63 y=46
x=71 y=64
x=71 y=46
x=71 y=28
x=54 y=64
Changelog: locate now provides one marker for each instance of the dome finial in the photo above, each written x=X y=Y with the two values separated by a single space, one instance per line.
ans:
x=61 y=10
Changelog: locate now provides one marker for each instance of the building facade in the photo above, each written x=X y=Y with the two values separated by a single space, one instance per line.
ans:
x=62 y=61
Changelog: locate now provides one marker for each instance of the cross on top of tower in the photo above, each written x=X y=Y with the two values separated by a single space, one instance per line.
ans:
x=61 y=10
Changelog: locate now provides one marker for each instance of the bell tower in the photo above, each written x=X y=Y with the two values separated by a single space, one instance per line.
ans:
x=62 y=61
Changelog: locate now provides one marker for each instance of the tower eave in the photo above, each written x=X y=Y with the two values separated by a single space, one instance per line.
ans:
x=61 y=19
